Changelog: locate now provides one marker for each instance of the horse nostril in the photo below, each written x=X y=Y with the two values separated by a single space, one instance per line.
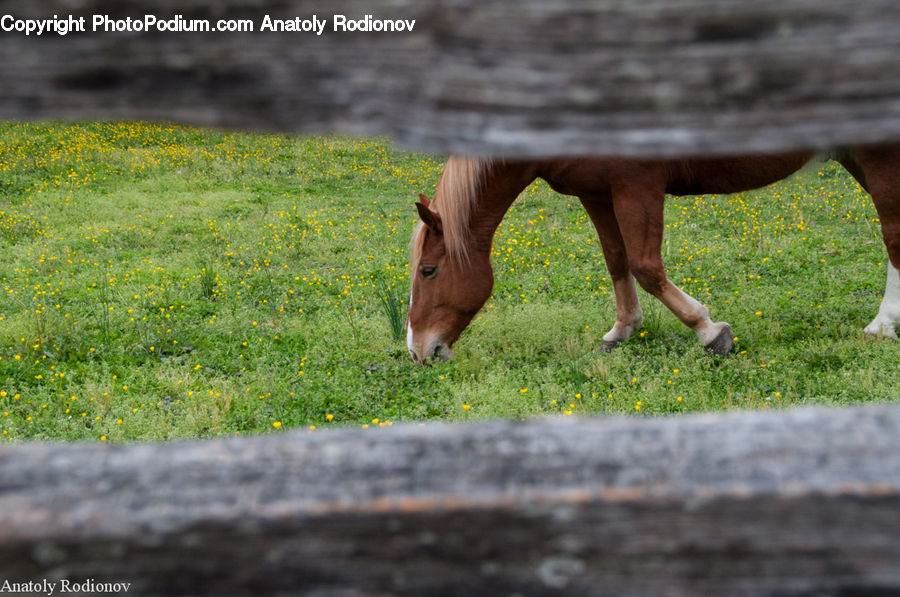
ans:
x=441 y=352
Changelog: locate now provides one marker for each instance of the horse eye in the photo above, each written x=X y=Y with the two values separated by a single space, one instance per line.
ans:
x=429 y=271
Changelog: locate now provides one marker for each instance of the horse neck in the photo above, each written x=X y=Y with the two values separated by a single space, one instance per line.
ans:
x=501 y=185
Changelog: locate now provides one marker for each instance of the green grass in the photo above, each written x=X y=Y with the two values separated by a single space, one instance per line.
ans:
x=163 y=282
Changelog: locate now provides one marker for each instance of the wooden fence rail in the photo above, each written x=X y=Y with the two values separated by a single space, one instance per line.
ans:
x=802 y=502
x=655 y=77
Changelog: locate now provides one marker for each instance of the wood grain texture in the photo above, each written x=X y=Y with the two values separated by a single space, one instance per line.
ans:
x=802 y=502
x=549 y=77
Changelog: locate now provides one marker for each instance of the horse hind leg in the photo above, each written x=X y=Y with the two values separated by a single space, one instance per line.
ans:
x=851 y=164
x=888 y=318
x=629 y=316
x=639 y=213
x=880 y=168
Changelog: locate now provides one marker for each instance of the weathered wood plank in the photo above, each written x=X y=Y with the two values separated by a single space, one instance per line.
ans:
x=656 y=77
x=802 y=502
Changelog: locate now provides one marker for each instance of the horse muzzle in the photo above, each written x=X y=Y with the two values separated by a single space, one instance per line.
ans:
x=435 y=352
x=433 y=349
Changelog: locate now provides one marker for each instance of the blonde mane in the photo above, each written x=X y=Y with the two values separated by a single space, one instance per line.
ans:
x=455 y=200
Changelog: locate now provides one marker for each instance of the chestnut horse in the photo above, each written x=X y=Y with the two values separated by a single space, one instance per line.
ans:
x=451 y=275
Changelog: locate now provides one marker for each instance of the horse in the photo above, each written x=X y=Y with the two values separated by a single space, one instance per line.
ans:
x=451 y=274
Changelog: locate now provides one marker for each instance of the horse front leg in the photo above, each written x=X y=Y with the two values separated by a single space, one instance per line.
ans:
x=881 y=170
x=629 y=316
x=638 y=206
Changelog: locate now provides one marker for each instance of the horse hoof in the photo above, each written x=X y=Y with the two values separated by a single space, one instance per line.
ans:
x=880 y=331
x=609 y=345
x=723 y=342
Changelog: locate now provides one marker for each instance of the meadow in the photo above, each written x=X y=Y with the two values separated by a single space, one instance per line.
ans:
x=166 y=282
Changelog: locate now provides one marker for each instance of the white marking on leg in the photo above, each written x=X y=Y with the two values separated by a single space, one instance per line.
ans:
x=889 y=312
x=629 y=316
x=692 y=314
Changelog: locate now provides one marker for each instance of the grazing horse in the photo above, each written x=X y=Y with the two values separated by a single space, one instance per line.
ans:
x=451 y=275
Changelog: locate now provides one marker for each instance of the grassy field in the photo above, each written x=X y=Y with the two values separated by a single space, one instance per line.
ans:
x=163 y=282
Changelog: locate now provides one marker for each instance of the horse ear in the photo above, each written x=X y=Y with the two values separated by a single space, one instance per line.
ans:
x=431 y=218
x=424 y=200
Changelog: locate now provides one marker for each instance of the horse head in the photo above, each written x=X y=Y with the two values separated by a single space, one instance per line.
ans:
x=446 y=289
